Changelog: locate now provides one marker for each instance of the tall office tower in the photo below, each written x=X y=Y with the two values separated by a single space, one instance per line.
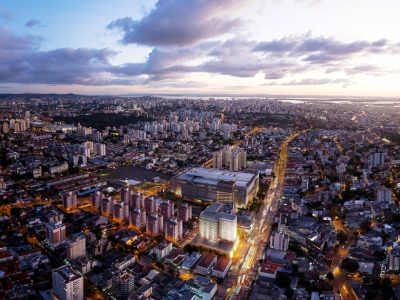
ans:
x=100 y=149
x=137 y=218
x=167 y=209
x=150 y=205
x=279 y=241
x=55 y=233
x=184 y=212
x=96 y=198
x=123 y=285
x=173 y=229
x=384 y=195
x=76 y=247
x=67 y=284
x=217 y=160
x=376 y=159
x=218 y=222
x=154 y=224
x=70 y=200
x=125 y=194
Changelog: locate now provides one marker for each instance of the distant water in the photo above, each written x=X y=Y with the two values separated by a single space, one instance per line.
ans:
x=135 y=173
x=292 y=101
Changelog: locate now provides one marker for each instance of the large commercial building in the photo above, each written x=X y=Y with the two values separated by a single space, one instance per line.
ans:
x=218 y=227
x=67 y=284
x=216 y=185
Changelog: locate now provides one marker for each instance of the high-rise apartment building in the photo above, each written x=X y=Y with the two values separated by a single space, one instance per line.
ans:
x=167 y=209
x=76 y=247
x=279 y=241
x=173 y=229
x=384 y=195
x=55 y=233
x=150 y=205
x=218 y=222
x=67 y=284
x=376 y=159
x=137 y=218
x=123 y=285
x=184 y=212
x=154 y=224
x=70 y=200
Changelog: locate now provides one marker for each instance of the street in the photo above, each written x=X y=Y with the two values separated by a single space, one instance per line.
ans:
x=252 y=245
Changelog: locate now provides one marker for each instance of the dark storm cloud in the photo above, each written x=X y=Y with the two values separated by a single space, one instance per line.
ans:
x=180 y=22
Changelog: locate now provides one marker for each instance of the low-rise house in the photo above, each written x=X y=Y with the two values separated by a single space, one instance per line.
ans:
x=206 y=263
x=221 y=267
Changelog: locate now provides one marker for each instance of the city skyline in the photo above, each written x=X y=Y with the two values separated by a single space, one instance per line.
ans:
x=225 y=47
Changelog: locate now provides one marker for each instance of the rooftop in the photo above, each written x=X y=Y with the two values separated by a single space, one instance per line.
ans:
x=213 y=176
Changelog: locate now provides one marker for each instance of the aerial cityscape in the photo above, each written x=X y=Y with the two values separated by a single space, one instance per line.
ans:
x=201 y=149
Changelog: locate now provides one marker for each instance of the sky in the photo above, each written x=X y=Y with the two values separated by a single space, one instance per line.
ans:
x=201 y=47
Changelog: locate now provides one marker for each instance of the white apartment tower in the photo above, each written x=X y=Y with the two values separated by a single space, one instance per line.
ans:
x=76 y=247
x=279 y=241
x=218 y=223
x=67 y=284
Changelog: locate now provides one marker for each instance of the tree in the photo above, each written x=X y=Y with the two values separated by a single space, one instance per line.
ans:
x=330 y=276
x=283 y=281
x=342 y=237
x=350 y=265
x=365 y=225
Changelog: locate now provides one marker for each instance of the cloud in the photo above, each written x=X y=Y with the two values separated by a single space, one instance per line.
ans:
x=5 y=14
x=317 y=81
x=35 y=23
x=22 y=62
x=10 y=42
x=180 y=22
x=322 y=49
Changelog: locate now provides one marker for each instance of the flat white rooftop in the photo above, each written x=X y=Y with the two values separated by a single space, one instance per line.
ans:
x=213 y=176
